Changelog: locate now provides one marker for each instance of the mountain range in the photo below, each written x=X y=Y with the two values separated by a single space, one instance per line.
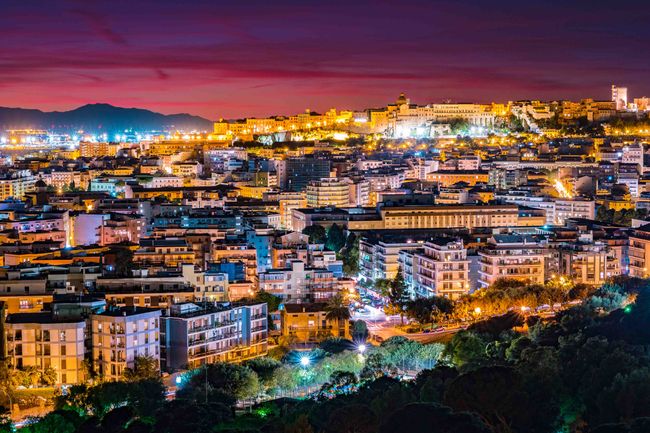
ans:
x=99 y=119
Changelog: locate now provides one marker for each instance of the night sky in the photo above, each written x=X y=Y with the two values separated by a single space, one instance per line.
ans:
x=249 y=57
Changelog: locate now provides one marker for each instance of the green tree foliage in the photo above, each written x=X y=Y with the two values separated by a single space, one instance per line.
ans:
x=422 y=417
x=335 y=238
x=398 y=295
x=429 y=310
x=144 y=368
x=337 y=311
x=621 y=217
x=145 y=397
x=226 y=383
x=350 y=255
x=317 y=234
x=59 y=421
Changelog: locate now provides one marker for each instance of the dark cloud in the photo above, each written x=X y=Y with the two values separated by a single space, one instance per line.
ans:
x=230 y=58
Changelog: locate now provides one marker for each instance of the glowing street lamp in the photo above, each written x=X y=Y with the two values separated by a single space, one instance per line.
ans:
x=305 y=361
x=361 y=348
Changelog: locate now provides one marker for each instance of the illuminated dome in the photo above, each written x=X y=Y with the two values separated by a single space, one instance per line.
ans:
x=402 y=99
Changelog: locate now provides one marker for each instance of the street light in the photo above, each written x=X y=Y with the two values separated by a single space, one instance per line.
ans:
x=477 y=310
x=305 y=361
x=361 y=348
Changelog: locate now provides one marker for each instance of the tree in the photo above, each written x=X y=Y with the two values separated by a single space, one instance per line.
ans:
x=48 y=376
x=350 y=255
x=335 y=238
x=123 y=261
x=424 y=417
x=359 y=331
x=498 y=396
x=316 y=233
x=397 y=295
x=60 y=421
x=354 y=418
x=273 y=302
x=428 y=310
x=226 y=383
x=180 y=416
x=144 y=367
x=338 y=311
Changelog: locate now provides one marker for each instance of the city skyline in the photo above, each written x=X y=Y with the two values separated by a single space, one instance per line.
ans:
x=230 y=61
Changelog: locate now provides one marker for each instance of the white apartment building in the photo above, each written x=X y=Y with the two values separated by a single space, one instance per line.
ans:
x=519 y=257
x=589 y=264
x=440 y=268
x=380 y=259
x=40 y=340
x=329 y=192
x=120 y=335
x=164 y=182
x=16 y=184
x=298 y=283
x=558 y=210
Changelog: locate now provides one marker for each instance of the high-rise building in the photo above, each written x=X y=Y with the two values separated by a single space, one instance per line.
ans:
x=294 y=174
x=619 y=97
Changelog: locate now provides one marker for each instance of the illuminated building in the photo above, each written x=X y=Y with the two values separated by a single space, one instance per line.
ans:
x=379 y=257
x=519 y=257
x=119 y=335
x=16 y=184
x=88 y=149
x=193 y=335
x=439 y=268
x=44 y=341
x=308 y=323
x=619 y=97
x=639 y=252
x=448 y=178
x=298 y=283
x=591 y=264
x=329 y=192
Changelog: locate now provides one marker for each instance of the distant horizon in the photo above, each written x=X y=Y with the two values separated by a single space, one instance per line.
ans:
x=322 y=110
x=255 y=59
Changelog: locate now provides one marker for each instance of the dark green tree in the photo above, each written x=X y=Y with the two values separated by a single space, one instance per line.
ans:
x=317 y=234
x=335 y=238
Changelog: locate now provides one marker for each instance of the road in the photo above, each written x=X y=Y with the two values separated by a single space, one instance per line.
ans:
x=383 y=326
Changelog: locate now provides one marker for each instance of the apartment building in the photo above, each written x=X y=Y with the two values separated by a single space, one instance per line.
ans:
x=639 y=252
x=308 y=323
x=299 y=283
x=379 y=258
x=119 y=335
x=329 y=192
x=520 y=257
x=164 y=253
x=193 y=334
x=45 y=341
x=440 y=268
x=589 y=264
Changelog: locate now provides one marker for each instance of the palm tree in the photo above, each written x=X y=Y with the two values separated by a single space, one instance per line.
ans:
x=337 y=310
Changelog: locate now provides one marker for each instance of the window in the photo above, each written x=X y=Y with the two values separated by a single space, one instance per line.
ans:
x=24 y=304
x=63 y=350
x=64 y=364
x=18 y=336
x=62 y=336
